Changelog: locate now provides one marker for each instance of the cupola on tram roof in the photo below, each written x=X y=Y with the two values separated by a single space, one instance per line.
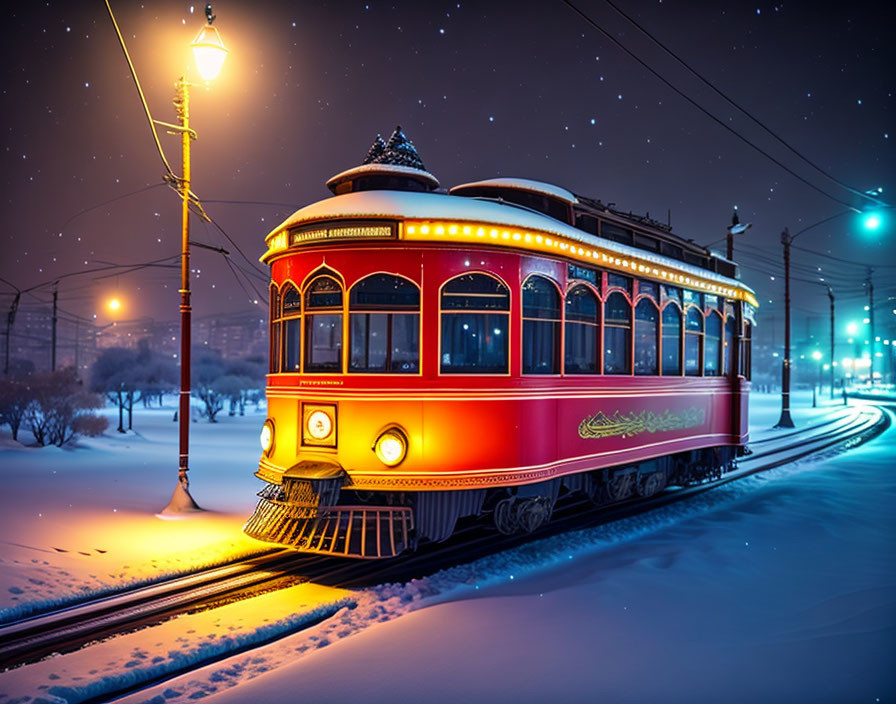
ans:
x=389 y=166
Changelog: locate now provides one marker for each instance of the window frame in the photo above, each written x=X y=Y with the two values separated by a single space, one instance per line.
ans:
x=646 y=298
x=323 y=272
x=599 y=326
x=390 y=313
x=612 y=291
x=672 y=303
x=698 y=334
x=558 y=342
x=482 y=311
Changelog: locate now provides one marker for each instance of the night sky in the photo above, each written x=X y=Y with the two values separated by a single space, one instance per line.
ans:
x=483 y=90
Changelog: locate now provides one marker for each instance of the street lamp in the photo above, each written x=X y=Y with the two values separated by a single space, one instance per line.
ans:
x=209 y=52
x=785 y=421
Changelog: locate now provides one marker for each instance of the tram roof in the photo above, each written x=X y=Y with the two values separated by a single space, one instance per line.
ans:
x=522 y=184
x=412 y=205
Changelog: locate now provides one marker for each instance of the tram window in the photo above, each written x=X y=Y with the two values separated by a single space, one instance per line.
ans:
x=588 y=223
x=649 y=288
x=274 y=315
x=474 y=325
x=579 y=272
x=672 y=250
x=746 y=342
x=672 y=293
x=384 y=326
x=730 y=324
x=617 y=335
x=671 y=341
x=616 y=233
x=541 y=326
x=693 y=298
x=712 y=301
x=647 y=320
x=292 y=329
x=323 y=325
x=618 y=281
x=712 y=345
x=647 y=242
x=693 y=341
x=582 y=340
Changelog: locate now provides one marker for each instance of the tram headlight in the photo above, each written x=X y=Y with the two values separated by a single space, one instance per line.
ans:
x=319 y=425
x=391 y=447
x=267 y=437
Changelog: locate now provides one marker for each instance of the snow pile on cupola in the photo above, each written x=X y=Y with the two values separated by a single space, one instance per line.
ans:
x=389 y=166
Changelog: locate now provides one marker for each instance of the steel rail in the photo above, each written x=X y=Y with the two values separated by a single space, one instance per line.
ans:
x=68 y=629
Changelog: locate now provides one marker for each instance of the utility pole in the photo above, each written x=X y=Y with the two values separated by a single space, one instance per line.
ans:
x=831 y=296
x=871 y=322
x=785 y=421
x=10 y=319
x=55 y=318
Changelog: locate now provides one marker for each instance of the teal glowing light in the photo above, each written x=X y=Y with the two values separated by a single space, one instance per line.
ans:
x=852 y=328
x=816 y=355
x=871 y=221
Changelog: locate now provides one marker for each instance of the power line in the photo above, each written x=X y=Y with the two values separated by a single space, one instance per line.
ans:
x=704 y=110
x=746 y=112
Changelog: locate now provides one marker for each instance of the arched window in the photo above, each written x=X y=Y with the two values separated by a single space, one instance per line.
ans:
x=384 y=326
x=671 y=340
x=730 y=326
x=582 y=331
x=647 y=329
x=291 y=314
x=475 y=320
x=541 y=326
x=274 y=318
x=745 y=349
x=617 y=334
x=323 y=325
x=712 y=345
x=693 y=341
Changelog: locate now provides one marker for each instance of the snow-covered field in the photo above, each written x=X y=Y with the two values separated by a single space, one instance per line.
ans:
x=780 y=587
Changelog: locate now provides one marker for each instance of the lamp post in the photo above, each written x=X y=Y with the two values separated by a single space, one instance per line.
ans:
x=785 y=421
x=816 y=355
x=209 y=52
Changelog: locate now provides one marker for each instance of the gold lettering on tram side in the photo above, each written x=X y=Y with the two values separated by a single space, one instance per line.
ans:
x=334 y=233
x=627 y=425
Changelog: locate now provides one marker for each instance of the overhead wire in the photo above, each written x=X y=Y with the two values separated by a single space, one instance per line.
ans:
x=742 y=109
x=706 y=112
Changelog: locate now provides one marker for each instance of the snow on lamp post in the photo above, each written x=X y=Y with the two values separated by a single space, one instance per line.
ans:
x=209 y=52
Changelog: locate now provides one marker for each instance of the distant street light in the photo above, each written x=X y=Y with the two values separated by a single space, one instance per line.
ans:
x=209 y=52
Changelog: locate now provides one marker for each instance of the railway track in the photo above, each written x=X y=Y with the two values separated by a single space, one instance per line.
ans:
x=66 y=629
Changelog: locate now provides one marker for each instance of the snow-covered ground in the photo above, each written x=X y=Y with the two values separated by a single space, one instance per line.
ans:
x=778 y=587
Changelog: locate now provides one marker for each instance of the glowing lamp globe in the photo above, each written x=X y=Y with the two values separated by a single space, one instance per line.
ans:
x=209 y=52
x=871 y=221
x=816 y=355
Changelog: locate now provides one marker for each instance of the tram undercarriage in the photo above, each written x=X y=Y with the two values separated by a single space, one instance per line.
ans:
x=317 y=511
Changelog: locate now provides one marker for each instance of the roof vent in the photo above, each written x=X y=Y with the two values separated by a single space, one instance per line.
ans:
x=391 y=166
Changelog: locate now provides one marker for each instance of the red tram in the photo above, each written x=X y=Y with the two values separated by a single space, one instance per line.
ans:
x=482 y=352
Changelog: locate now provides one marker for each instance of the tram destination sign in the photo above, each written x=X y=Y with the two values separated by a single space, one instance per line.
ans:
x=343 y=230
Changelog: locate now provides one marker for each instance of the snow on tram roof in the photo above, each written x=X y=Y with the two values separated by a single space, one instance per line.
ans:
x=522 y=184
x=438 y=206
